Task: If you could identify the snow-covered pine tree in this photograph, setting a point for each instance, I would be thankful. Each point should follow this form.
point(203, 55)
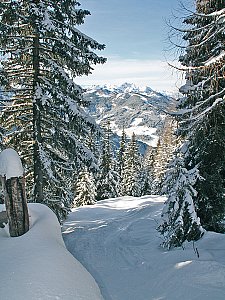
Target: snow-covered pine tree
point(45, 121)
point(121, 152)
point(108, 177)
point(179, 219)
point(203, 107)
point(158, 170)
point(85, 189)
point(148, 184)
point(130, 184)
point(164, 151)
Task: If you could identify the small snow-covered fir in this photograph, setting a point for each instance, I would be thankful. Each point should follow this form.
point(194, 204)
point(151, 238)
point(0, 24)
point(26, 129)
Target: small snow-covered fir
point(85, 189)
point(179, 219)
point(108, 176)
point(131, 184)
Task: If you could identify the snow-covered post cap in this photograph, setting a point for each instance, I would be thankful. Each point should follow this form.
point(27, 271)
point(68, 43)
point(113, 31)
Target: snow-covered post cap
point(10, 164)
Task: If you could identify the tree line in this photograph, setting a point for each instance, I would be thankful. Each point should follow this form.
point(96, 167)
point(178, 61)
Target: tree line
point(124, 171)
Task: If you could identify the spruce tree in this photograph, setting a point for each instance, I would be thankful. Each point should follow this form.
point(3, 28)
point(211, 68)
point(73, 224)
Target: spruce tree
point(130, 184)
point(85, 189)
point(201, 126)
point(179, 219)
point(108, 177)
point(121, 153)
point(148, 184)
point(45, 121)
point(164, 152)
point(203, 107)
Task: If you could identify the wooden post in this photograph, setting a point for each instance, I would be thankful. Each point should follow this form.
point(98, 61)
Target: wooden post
point(13, 183)
point(16, 205)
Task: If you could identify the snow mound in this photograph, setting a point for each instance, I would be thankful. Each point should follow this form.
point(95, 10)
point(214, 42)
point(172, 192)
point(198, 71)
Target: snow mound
point(10, 164)
point(37, 266)
point(117, 241)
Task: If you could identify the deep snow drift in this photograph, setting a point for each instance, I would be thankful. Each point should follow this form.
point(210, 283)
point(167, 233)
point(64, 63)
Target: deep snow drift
point(37, 266)
point(117, 242)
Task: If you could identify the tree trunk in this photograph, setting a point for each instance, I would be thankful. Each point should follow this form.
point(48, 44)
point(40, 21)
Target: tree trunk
point(38, 174)
point(16, 205)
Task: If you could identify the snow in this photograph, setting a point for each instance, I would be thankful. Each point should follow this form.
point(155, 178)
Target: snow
point(141, 130)
point(37, 266)
point(187, 87)
point(183, 264)
point(216, 13)
point(117, 241)
point(113, 126)
point(123, 88)
point(214, 59)
point(10, 164)
point(136, 122)
point(137, 129)
point(132, 107)
point(127, 108)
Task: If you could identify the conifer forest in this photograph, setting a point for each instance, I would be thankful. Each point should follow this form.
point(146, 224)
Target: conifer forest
point(80, 146)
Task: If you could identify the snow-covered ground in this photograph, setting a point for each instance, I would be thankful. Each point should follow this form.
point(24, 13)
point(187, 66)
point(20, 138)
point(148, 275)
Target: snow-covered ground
point(37, 266)
point(117, 242)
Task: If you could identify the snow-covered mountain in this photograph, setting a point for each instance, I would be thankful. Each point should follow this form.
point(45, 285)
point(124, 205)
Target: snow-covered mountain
point(139, 109)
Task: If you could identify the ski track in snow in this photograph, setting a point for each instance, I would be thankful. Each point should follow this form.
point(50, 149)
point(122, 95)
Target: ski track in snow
point(116, 240)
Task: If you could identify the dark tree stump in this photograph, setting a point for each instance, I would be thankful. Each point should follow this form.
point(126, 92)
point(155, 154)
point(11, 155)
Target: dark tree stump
point(16, 205)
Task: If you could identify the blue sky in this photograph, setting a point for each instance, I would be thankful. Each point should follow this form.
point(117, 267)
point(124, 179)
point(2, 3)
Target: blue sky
point(135, 35)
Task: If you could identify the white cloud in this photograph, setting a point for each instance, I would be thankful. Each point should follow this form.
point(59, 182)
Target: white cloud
point(153, 73)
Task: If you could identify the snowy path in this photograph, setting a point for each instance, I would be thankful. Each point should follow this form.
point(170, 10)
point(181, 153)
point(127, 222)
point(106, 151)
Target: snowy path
point(117, 242)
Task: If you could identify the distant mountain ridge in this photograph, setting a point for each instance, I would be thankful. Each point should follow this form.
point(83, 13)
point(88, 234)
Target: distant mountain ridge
point(139, 109)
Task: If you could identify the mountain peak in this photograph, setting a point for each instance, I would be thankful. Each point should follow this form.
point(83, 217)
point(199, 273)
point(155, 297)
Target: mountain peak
point(122, 88)
point(127, 88)
point(136, 109)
